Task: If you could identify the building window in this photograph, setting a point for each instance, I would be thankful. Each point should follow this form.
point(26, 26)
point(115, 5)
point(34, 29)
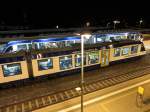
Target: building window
point(125, 51)
point(117, 52)
point(45, 64)
point(11, 69)
point(134, 49)
point(65, 62)
point(93, 57)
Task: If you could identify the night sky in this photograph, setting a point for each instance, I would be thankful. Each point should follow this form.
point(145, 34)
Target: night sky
point(49, 15)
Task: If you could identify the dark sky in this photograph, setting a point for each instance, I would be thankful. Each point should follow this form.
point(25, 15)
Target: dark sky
point(50, 15)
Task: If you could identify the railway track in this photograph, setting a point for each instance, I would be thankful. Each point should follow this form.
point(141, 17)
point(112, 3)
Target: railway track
point(50, 99)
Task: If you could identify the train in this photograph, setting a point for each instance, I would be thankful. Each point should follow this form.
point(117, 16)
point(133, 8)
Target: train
point(23, 60)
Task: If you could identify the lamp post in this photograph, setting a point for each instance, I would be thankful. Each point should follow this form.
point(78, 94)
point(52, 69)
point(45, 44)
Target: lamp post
point(87, 24)
point(57, 26)
point(107, 24)
point(141, 21)
point(82, 66)
point(115, 22)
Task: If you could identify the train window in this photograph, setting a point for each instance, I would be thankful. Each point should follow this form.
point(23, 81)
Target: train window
point(45, 64)
point(117, 52)
point(65, 62)
point(118, 38)
point(51, 45)
point(30, 46)
point(78, 60)
point(61, 44)
point(9, 49)
point(93, 57)
point(99, 40)
point(11, 69)
point(112, 39)
point(22, 47)
point(125, 51)
point(107, 39)
point(42, 46)
point(124, 37)
point(68, 43)
point(2, 47)
point(134, 49)
point(36, 45)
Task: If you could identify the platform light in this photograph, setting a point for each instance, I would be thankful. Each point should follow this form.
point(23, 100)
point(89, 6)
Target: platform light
point(87, 24)
point(78, 89)
point(115, 22)
point(83, 36)
point(141, 21)
point(86, 36)
point(57, 26)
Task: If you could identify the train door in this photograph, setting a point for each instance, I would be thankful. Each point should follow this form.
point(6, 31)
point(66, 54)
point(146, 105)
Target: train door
point(104, 57)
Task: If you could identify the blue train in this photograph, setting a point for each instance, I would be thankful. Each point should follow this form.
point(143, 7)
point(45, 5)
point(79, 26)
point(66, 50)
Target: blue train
point(57, 42)
point(100, 51)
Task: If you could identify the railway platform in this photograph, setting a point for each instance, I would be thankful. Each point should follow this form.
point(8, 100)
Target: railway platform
point(122, 97)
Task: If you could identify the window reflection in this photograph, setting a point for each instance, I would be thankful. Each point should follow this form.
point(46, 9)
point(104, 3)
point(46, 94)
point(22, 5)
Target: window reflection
point(42, 45)
point(11, 69)
point(65, 62)
point(78, 60)
point(2, 47)
point(22, 47)
point(117, 52)
point(45, 64)
point(93, 57)
point(125, 51)
point(134, 49)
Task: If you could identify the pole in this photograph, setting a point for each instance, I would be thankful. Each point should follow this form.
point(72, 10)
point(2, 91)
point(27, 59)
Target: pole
point(114, 25)
point(82, 70)
point(107, 25)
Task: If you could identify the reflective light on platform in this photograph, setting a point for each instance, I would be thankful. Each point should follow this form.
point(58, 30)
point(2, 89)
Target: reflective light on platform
point(78, 89)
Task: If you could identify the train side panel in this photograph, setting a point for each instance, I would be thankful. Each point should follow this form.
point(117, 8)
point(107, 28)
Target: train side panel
point(128, 55)
point(58, 61)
